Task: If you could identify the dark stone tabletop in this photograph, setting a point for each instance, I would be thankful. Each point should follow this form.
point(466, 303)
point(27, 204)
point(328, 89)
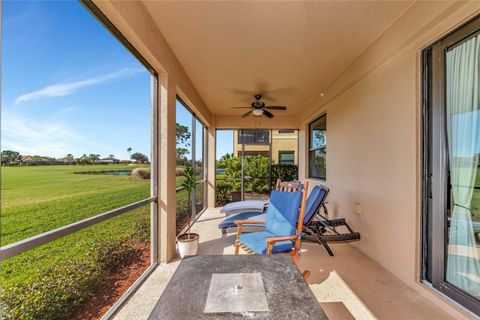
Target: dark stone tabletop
point(288, 295)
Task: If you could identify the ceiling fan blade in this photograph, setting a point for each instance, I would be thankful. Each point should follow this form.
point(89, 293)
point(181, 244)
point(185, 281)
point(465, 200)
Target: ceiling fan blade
point(241, 107)
point(276, 107)
point(246, 114)
point(267, 113)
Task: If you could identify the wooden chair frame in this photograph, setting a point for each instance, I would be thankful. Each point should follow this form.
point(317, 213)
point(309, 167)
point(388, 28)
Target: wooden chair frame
point(288, 186)
point(295, 252)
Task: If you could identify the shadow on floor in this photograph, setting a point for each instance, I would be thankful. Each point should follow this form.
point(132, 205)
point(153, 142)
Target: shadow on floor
point(217, 246)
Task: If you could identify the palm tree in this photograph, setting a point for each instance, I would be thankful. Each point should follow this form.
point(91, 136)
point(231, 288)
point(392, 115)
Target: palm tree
point(129, 150)
point(94, 157)
point(189, 184)
point(69, 158)
point(111, 156)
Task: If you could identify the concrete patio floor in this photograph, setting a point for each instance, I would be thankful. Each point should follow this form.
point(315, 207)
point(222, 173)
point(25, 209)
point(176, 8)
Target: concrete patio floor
point(348, 286)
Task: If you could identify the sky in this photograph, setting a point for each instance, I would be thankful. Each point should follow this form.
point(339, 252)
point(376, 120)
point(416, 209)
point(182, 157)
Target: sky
point(224, 142)
point(68, 85)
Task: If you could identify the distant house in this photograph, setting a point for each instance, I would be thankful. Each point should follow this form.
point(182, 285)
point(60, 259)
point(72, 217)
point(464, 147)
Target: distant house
point(25, 158)
point(108, 160)
point(65, 160)
point(37, 160)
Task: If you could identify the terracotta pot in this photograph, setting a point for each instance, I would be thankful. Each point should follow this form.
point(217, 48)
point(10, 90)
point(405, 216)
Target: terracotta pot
point(188, 244)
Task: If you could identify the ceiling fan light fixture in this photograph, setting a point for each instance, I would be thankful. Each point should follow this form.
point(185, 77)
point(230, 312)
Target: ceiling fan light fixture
point(257, 112)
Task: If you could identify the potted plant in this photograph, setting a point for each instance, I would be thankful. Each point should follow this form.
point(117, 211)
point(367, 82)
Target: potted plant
point(188, 242)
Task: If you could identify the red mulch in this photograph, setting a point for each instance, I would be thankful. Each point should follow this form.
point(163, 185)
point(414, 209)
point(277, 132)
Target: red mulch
point(182, 224)
point(114, 286)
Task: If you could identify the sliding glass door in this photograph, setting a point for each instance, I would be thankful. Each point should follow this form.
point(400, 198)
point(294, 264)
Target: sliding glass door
point(452, 175)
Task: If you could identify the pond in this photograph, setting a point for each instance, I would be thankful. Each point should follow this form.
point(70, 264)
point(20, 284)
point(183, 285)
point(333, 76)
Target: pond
point(221, 171)
point(111, 172)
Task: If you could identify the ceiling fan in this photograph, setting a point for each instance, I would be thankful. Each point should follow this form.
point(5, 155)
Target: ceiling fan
point(259, 108)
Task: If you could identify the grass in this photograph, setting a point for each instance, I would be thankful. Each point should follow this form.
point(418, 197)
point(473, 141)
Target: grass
point(40, 198)
point(34, 262)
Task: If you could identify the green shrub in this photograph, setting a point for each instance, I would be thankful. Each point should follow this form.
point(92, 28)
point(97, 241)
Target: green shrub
point(179, 171)
point(141, 173)
point(142, 225)
point(223, 192)
point(183, 209)
point(56, 293)
point(257, 174)
point(284, 172)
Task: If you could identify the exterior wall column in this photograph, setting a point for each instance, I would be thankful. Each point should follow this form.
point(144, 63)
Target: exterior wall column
point(211, 167)
point(303, 152)
point(167, 166)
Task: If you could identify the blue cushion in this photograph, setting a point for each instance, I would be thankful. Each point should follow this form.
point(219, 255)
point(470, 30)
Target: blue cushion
point(247, 205)
point(256, 241)
point(229, 222)
point(314, 200)
point(282, 213)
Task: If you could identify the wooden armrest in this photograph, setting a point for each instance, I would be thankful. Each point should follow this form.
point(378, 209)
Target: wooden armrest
point(238, 222)
point(271, 241)
point(277, 239)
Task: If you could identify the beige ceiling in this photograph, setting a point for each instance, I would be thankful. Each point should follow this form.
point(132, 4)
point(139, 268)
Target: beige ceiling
point(289, 51)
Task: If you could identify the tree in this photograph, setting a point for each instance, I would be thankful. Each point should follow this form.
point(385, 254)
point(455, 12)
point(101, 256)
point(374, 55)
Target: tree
point(9, 156)
point(84, 159)
point(189, 184)
point(183, 140)
point(111, 156)
point(129, 150)
point(139, 157)
point(182, 156)
point(221, 163)
point(94, 157)
point(69, 158)
point(183, 135)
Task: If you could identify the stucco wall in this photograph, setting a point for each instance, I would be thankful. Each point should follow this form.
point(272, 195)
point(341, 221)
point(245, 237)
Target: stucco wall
point(280, 142)
point(373, 137)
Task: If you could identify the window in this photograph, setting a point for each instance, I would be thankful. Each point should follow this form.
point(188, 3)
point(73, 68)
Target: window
point(254, 136)
point(451, 172)
point(286, 131)
point(318, 148)
point(286, 157)
point(77, 121)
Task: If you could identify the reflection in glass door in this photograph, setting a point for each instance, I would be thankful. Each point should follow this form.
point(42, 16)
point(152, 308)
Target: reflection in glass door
point(463, 140)
point(451, 185)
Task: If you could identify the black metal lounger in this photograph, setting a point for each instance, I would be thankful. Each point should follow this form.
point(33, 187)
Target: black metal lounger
point(316, 229)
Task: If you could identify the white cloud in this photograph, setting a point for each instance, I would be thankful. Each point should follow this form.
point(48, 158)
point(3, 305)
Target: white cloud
point(41, 137)
point(67, 88)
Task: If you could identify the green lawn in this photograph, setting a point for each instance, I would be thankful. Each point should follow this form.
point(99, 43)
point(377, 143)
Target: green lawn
point(179, 181)
point(40, 198)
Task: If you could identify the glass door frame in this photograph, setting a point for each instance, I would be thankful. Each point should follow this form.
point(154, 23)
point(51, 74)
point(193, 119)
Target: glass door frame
point(435, 166)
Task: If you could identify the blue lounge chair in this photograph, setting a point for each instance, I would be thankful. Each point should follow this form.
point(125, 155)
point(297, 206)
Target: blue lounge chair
point(257, 206)
point(283, 226)
point(315, 201)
